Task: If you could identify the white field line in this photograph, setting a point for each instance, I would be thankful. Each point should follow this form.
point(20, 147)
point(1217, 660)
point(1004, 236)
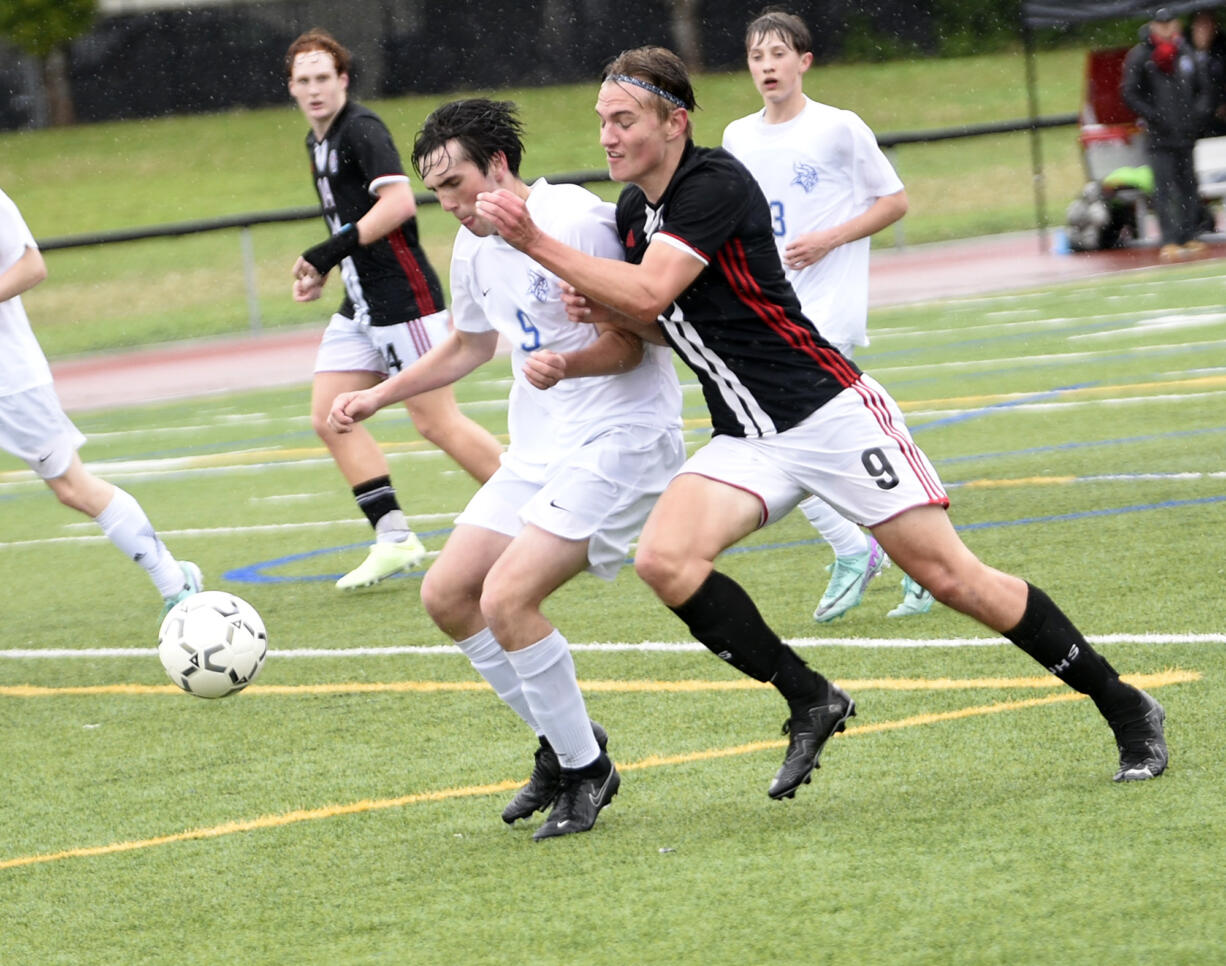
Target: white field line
point(1120, 290)
point(614, 646)
point(416, 520)
point(974, 365)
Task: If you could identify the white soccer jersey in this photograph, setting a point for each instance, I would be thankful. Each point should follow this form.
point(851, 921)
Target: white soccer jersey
point(818, 170)
point(22, 363)
point(494, 286)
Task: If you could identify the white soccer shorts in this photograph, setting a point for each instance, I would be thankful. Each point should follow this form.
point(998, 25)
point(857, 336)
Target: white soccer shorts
point(34, 428)
point(600, 492)
point(855, 453)
point(352, 346)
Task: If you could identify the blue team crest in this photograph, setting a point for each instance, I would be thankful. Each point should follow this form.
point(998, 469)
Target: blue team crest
point(538, 286)
point(806, 176)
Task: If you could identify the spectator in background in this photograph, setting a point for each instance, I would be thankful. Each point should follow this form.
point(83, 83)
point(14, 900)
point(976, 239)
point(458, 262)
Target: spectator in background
point(34, 427)
point(1209, 46)
point(1164, 85)
point(392, 311)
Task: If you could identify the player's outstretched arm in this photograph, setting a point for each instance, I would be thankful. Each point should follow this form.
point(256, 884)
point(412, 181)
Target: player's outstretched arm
point(452, 359)
point(23, 274)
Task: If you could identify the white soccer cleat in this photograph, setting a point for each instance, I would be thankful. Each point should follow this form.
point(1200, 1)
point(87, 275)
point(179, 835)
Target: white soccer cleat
point(383, 561)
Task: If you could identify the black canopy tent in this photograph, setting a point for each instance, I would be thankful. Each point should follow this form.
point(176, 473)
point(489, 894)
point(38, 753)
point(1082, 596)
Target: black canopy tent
point(1037, 14)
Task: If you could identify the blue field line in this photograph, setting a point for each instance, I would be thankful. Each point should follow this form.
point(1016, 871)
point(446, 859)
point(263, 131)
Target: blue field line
point(1009, 404)
point(256, 573)
point(1085, 514)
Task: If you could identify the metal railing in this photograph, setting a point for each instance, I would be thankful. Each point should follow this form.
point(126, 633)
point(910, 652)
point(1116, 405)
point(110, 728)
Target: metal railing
point(245, 222)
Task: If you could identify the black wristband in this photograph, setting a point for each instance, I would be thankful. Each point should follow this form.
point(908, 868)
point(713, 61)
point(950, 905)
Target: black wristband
point(324, 256)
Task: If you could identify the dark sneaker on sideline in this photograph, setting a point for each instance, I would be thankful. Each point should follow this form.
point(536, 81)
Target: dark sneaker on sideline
point(580, 799)
point(808, 736)
point(1142, 743)
point(542, 787)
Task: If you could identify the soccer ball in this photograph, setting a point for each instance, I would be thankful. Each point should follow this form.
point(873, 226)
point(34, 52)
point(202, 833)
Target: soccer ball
point(212, 644)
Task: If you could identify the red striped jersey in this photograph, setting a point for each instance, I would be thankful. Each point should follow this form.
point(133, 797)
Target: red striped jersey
point(390, 281)
point(762, 365)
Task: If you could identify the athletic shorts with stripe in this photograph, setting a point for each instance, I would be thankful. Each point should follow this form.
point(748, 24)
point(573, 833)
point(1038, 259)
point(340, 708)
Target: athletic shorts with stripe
point(352, 346)
point(855, 453)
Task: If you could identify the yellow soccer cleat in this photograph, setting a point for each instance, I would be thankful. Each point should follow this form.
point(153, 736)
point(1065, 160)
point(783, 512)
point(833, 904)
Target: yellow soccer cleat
point(383, 561)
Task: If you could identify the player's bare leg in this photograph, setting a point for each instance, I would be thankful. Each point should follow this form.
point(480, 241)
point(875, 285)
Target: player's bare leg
point(694, 520)
point(439, 420)
point(924, 543)
point(451, 589)
point(363, 465)
point(356, 453)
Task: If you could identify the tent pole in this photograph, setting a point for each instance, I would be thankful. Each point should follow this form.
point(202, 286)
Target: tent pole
point(1036, 148)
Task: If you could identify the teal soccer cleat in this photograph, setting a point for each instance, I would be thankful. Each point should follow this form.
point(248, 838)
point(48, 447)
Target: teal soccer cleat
point(915, 600)
point(848, 579)
point(193, 583)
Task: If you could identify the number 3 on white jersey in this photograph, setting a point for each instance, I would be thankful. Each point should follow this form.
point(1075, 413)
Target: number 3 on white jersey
point(778, 223)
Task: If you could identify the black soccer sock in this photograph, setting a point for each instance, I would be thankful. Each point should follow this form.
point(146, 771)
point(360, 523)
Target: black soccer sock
point(724, 618)
point(376, 498)
point(1047, 635)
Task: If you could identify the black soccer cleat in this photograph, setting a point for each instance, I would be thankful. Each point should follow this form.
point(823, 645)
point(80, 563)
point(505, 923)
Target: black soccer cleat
point(581, 796)
point(542, 787)
point(807, 737)
point(1142, 743)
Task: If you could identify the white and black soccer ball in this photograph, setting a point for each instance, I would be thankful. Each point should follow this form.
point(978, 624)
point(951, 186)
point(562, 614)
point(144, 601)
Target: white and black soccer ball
point(212, 644)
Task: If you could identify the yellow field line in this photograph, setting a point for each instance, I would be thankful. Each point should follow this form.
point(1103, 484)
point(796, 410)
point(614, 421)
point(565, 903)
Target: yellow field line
point(1196, 382)
point(475, 791)
point(618, 687)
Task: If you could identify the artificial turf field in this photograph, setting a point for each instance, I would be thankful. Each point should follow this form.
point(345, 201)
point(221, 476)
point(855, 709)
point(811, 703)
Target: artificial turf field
point(344, 808)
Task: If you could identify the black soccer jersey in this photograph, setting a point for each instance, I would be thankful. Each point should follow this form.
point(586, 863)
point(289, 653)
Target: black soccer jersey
point(390, 281)
point(762, 365)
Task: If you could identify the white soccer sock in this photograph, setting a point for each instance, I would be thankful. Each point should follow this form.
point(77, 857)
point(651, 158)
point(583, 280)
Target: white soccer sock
point(490, 661)
point(548, 675)
point(847, 539)
point(125, 525)
point(393, 527)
